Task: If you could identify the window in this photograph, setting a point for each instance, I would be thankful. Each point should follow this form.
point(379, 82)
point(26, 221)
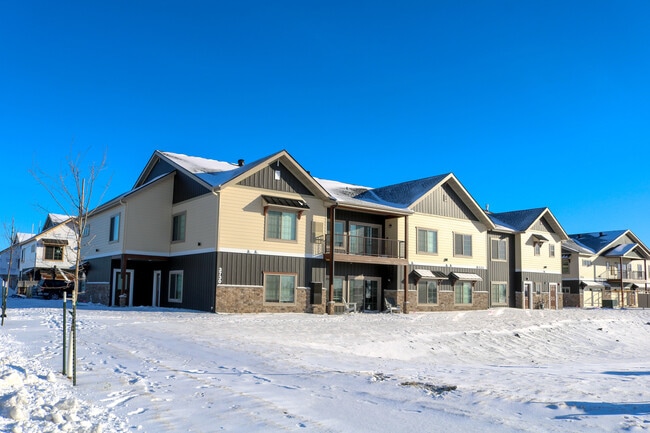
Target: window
point(114, 233)
point(499, 293)
point(427, 292)
point(586, 262)
point(565, 266)
point(53, 252)
point(339, 236)
point(551, 250)
point(338, 289)
point(427, 241)
point(462, 245)
point(538, 248)
point(175, 286)
point(86, 230)
point(279, 288)
point(538, 288)
point(499, 247)
point(178, 228)
point(463, 292)
point(281, 225)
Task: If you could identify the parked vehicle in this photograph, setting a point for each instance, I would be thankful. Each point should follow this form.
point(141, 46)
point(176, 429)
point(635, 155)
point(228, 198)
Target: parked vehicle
point(53, 289)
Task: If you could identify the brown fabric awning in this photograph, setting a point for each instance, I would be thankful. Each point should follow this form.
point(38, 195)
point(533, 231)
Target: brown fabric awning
point(55, 242)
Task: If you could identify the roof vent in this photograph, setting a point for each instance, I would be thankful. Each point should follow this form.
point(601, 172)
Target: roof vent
point(240, 162)
point(601, 234)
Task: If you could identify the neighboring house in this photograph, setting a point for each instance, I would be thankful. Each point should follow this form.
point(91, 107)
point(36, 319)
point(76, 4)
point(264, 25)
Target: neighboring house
point(12, 252)
point(604, 268)
point(213, 236)
point(535, 238)
point(440, 234)
point(51, 253)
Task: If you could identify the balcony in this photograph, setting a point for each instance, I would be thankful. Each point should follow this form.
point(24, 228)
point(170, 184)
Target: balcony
point(363, 249)
point(616, 275)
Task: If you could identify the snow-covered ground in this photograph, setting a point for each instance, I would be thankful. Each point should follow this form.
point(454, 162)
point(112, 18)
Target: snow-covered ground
point(158, 370)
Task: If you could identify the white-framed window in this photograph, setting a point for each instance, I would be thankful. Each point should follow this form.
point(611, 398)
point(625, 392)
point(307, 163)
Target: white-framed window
point(427, 292)
point(281, 225)
point(499, 293)
point(178, 227)
point(280, 288)
point(114, 229)
point(551, 250)
point(427, 241)
point(462, 245)
point(175, 286)
point(499, 249)
point(538, 248)
point(586, 262)
point(53, 252)
point(538, 288)
point(463, 292)
point(566, 289)
point(546, 287)
point(86, 230)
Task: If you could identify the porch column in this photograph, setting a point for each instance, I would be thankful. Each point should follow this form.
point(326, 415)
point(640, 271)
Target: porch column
point(330, 291)
point(405, 304)
point(620, 269)
point(123, 273)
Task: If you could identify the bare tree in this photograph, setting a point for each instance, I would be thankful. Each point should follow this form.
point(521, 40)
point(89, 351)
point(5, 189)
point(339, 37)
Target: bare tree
point(72, 191)
point(5, 287)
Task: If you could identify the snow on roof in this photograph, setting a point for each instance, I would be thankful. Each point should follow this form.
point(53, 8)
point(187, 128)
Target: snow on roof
point(519, 220)
point(596, 241)
point(22, 237)
point(213, 172)
point(58, 218)
point(573, 245)
point(347, 193)
point(620, 250)
point(402, 194)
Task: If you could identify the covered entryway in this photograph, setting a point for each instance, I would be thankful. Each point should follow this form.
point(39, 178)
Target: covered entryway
point(117, 288)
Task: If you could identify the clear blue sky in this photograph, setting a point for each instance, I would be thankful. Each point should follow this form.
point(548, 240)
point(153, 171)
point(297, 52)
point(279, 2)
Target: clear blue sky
point(529, 103)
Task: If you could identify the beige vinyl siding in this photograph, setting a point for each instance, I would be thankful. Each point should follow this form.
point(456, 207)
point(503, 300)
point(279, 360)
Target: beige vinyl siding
point(242, 222)
point(147, 222)
point(446, 228)
point(97, 238)
point(528, 261)
point(65, 231)
point(200, 224)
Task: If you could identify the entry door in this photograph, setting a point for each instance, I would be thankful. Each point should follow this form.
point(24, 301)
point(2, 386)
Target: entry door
point(155, 297)
point(117, 286)
point(528, 295)
point(365, 292)
point(552, 288)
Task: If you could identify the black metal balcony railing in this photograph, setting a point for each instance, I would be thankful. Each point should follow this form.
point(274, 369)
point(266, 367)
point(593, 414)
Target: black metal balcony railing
point(366, 246)
point(617, 274)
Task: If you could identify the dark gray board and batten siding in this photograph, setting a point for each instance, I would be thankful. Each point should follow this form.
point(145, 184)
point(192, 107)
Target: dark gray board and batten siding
point(445, 202)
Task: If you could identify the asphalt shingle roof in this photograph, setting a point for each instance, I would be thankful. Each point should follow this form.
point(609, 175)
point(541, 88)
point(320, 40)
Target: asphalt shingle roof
point(596, 241)
point(519, 220)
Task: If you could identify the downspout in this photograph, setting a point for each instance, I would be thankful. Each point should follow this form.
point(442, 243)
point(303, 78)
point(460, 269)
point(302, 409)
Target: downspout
point(405, 308)
point(216, 247)
point(330, 297)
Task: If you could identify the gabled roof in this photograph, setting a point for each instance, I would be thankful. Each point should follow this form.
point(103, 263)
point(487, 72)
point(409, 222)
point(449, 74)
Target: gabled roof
point(54, 220)
point(523, 220)
point(408, 194)
point(215, 174)
point(609, 242)
point(347, 194)
point(404, 194)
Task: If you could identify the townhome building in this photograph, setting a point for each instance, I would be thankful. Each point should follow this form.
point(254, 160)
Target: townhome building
point(534, 237)
point(51, 253)
point(266, 236)
point(207, 235)
point(10, 259)
point(607, 268)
